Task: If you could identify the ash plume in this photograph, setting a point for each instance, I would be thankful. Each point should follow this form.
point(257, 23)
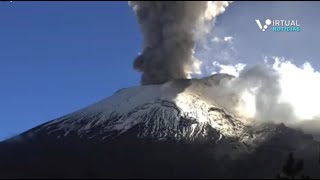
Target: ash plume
point(257, 91)
point(278, 91)
point(170, 31)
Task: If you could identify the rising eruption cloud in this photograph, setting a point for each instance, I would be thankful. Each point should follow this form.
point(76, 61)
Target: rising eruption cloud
point(279, 92)
point(170, 30)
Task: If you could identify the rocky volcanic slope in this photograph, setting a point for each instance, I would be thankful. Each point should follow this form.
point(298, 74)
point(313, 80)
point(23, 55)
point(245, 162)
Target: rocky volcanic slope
point(172, 130)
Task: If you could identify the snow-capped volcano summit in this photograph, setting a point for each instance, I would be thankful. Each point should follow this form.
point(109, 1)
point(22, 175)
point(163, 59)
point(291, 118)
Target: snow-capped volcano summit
point(176, 129)
point(180, 109)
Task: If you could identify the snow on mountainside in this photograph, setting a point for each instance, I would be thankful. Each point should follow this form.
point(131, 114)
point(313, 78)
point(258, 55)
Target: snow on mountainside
point(180, 110)
point(177, 109)
point(182, 120)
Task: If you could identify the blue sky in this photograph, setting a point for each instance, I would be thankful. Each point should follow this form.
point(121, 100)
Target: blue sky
point(58, 57)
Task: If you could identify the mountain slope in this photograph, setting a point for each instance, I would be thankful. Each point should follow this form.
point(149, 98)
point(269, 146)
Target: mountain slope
point(172, 130)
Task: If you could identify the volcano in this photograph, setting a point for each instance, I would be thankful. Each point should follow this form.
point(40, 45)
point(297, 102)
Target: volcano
point(171, 130)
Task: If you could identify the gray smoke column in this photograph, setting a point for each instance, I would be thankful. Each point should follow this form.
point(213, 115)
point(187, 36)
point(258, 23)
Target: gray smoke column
point(170, 30)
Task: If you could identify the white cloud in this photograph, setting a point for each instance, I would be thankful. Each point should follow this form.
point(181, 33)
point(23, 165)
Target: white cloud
point(228, 39)
point(229, 69)
point(299, 87)
point(215, 39)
